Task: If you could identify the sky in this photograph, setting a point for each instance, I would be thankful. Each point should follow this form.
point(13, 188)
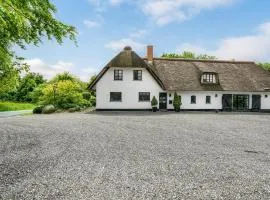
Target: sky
point(227, 29)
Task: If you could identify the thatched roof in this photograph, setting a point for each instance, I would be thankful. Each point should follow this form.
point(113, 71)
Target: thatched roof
point(126, 59)
point(185, 75)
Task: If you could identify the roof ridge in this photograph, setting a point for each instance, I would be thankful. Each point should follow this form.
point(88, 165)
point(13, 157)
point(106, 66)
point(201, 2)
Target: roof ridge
point(202, 60)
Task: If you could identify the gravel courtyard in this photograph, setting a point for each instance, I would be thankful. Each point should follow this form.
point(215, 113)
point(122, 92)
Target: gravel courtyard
point(135, 156)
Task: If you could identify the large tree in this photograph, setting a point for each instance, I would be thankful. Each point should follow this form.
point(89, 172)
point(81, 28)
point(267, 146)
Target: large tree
point(24, 22)
point(188, 55)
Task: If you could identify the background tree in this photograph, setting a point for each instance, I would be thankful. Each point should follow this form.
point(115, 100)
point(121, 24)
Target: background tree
point(27, 85)
point(188, 55)
point(265, 66)
point(26, 22)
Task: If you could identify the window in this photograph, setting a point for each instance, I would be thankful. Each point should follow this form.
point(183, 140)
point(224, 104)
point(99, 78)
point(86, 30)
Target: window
point(208, 78)
point(115, 96)
point(170, 101)
point(208, 99)
point(193, 99)
point(144, 96)
point(118, 75)
point(137, 75)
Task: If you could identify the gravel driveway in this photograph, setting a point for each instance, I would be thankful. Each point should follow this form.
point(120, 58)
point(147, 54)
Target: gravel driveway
point(135, 156)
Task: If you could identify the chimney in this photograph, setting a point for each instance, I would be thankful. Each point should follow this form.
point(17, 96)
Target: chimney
point(150, 53)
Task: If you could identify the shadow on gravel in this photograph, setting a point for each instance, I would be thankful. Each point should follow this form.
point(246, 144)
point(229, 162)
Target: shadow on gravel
point(162, 113)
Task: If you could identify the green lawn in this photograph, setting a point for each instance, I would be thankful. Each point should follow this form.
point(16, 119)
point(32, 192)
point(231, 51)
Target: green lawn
point(12, 106)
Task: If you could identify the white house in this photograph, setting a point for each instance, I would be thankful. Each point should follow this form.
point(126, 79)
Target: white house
point(129, 82)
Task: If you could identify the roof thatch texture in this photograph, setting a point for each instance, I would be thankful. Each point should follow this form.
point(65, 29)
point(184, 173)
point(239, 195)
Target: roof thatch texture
point(185, 75)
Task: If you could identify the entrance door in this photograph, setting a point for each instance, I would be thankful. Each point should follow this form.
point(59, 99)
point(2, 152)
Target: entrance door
point(256, 102)
point(162, 100)
point(227, 102)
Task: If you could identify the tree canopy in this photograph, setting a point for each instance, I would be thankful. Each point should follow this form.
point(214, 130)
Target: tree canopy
point(26, 22)
point(265, 66)
point(188, 55)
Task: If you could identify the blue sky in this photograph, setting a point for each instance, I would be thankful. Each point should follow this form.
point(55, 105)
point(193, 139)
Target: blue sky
point(228, 29)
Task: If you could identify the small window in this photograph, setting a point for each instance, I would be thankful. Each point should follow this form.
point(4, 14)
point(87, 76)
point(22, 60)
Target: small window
point(137, 75)
point(118, 75)
point(208, 99)
point(193, 99)
point(115, 96)
point(144, 96)
point(170, 101)
point(208, 78)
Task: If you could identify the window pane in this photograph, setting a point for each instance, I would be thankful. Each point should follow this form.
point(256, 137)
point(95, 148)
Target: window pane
point(208, 99)
point(193, 99)
point(115, 96)
point(118, 74)
point(144, 96)
point(137, 75)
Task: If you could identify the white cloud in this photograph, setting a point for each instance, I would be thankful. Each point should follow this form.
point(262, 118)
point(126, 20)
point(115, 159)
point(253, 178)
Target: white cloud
point(120, 44)
point(91, 24)
point(166, 11)
point(250, 47)
point(139, 33)
point(115, 2)
point(50, 70)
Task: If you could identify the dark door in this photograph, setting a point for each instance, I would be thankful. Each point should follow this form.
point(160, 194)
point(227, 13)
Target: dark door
point(227, 102)
point(256, 102)
point(162, 100)
point(240, 102)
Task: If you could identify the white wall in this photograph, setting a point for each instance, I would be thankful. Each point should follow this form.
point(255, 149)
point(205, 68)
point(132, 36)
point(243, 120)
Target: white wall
point(130, 90)
point(216, 102)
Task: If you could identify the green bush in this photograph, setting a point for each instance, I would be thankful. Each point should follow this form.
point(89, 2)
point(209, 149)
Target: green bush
point(48, 109)
point(67, 106)
point(75, 109)
point(38, 110)
point(86, 95)
point(154, 102)
point(177, 102)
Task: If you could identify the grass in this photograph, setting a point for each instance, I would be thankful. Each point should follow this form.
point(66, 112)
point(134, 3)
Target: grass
point(13, 106)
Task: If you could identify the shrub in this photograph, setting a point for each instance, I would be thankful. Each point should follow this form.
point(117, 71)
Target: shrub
point(67, 106)
point(75, 109)
point(86, 95)
point(176, 102)
point(62, 94)
point(154, 102)
point(48, 109)
point(38, 110)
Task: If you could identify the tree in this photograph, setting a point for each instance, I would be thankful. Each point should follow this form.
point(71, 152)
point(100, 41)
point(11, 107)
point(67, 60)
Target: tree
point(64, 94)
point(188, 55)
point(265, 66)
point(25, 22)
point(176, 102)
point(27, 85)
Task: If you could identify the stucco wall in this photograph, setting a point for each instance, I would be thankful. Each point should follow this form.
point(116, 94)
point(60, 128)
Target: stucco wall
point(130, 90)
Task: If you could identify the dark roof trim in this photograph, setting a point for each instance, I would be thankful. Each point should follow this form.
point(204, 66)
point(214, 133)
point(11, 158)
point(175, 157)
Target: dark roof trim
point(99, 76)
point(200, 60)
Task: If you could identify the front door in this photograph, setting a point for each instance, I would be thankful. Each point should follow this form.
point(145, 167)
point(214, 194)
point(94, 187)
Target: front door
point(162, 100)
point(256, 102)
point(227, 102)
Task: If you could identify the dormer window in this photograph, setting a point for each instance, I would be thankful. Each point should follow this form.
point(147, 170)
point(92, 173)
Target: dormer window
point(209, 78)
